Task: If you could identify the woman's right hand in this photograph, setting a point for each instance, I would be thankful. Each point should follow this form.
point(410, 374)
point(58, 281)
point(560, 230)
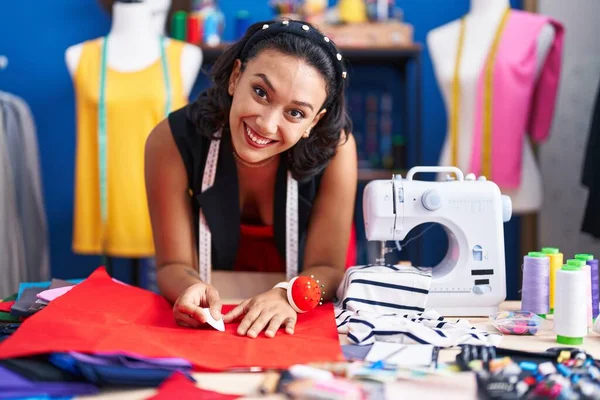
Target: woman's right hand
point(188, 307)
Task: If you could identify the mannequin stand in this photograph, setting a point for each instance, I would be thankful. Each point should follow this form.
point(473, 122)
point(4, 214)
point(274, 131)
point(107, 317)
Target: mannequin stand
point(134, 269)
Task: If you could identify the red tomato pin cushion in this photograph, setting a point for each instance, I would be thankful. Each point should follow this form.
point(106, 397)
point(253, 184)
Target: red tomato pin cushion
point(305, 293)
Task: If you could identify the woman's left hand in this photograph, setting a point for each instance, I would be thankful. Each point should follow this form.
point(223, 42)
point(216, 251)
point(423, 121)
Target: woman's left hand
point(267, 310)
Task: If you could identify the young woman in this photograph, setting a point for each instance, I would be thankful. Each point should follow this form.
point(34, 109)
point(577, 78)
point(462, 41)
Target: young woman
point(258, 174)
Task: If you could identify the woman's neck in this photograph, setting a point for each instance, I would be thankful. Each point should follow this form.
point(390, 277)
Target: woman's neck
point(132, 22)
point(488, 6)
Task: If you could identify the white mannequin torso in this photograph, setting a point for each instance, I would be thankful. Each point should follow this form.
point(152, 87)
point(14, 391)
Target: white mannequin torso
point(481, 25)
point(134, 43)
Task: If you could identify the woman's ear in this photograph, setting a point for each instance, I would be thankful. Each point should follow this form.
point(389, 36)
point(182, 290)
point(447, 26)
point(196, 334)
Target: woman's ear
point(316, 120)
point(234, 77)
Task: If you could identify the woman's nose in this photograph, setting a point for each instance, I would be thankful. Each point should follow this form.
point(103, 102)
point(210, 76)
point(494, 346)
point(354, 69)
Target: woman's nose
point(268, 123)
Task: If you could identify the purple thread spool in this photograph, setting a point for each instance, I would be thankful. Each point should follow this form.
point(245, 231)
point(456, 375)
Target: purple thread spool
point(595, 288)
point(535, 293)
point(593, 263)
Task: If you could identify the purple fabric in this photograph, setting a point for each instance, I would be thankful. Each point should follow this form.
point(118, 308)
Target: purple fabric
point(131, 361)
point(14, 385)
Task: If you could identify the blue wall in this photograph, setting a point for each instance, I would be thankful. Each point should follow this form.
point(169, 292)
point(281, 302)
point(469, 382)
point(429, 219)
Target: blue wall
point(37, 72)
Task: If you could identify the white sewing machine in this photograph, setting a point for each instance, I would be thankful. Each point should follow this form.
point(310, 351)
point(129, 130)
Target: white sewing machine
point(471, 279)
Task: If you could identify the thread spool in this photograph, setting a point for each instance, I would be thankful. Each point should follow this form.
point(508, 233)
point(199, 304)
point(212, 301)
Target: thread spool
point(593, 289)
point(570, 313)
point(242, 23)
point(535, 293)
point(556, 262)
point(178, 25)
point(194, 29)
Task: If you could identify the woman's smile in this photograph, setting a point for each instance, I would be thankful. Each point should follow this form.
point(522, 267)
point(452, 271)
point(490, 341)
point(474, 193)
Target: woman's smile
point(256, 140)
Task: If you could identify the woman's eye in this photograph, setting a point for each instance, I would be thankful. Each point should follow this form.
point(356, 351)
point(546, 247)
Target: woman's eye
point(260, 92)
point(297, 114)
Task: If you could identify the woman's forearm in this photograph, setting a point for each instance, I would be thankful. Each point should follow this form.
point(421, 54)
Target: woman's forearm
point(330, 277)
point(174, 279)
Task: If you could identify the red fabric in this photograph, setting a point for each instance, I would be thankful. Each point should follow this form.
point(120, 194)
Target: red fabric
point(101, 315)
point(6, 305)
point(179, 387)
point(257, 251)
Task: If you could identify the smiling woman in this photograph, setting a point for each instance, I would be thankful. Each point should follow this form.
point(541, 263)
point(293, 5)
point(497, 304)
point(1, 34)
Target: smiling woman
point(258, 174)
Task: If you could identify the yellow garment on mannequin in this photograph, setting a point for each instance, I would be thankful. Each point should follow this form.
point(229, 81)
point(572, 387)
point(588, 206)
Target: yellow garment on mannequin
point(135, 104)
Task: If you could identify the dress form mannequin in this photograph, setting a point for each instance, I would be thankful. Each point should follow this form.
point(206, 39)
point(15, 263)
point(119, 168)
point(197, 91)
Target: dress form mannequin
point(481, 23)
point(160, 11)
point(134, 43)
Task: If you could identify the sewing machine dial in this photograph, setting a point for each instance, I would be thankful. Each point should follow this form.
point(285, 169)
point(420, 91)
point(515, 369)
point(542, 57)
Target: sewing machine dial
point(431, 200)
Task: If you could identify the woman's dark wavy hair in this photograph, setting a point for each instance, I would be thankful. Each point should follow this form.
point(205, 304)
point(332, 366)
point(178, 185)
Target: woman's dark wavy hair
point(310, 156)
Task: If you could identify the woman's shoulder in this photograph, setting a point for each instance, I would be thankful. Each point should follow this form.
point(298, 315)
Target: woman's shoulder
point(177, 137)
point(180, 125)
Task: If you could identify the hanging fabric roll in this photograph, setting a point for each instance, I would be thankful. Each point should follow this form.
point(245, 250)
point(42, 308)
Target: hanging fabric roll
point(24, 253)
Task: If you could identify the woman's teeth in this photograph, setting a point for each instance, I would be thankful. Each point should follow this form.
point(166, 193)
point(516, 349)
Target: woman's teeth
point(255, 138)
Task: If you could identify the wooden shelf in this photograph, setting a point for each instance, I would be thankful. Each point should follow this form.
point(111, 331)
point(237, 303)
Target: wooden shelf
point(353, 54)
point(368, 174)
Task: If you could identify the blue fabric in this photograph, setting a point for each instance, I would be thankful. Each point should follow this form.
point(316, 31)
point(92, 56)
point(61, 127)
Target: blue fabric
point(111, 370)
point(13, 385)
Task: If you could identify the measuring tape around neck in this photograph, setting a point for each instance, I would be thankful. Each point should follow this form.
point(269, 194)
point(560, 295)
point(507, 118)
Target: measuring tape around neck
point(291, 220)
point(486, 169)
point(102, 123)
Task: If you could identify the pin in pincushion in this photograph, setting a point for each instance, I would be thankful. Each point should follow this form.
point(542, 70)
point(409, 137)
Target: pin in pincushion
point(305, 293)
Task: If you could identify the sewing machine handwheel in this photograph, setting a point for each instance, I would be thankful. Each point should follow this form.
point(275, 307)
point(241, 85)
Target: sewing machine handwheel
point(454, 170)
point(431, 200)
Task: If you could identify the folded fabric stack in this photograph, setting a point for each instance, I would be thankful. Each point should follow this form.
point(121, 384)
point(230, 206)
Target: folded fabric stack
point(34, 296)
point(73, 373)
point(388, 303)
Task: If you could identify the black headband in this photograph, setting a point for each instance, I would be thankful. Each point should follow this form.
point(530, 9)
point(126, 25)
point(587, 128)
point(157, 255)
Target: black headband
point(302, 30)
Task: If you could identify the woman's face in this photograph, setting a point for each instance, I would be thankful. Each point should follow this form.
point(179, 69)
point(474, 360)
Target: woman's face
point(276, 101)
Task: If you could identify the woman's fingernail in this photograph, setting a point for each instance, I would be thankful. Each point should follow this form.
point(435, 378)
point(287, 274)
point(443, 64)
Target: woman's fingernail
point(251, 334)
point(269, 333)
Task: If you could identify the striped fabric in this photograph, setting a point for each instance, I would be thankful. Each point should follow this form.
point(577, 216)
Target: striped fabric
point(428, 327)
point(381, 289)
point(388, 303)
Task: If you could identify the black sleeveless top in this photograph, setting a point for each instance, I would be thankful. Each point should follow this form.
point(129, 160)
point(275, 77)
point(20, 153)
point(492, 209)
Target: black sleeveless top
point(220, 203)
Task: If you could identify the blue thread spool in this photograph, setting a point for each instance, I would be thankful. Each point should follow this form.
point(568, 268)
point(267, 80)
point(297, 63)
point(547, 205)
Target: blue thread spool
point(242, 22)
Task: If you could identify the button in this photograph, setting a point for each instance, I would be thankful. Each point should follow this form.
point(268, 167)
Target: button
point(470, 177)
point(481, 289)
point(482, 178)
point(477, 253)
point(431, 200)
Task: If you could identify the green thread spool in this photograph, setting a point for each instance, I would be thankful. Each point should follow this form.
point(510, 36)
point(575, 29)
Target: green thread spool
point(178, 25)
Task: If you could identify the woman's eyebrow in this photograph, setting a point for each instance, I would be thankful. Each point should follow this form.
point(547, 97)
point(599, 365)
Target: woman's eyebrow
point(270, 85)
point(267, 82)
point(302, 103)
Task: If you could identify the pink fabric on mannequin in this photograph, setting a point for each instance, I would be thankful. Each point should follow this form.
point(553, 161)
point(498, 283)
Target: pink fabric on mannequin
point(520, 104)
